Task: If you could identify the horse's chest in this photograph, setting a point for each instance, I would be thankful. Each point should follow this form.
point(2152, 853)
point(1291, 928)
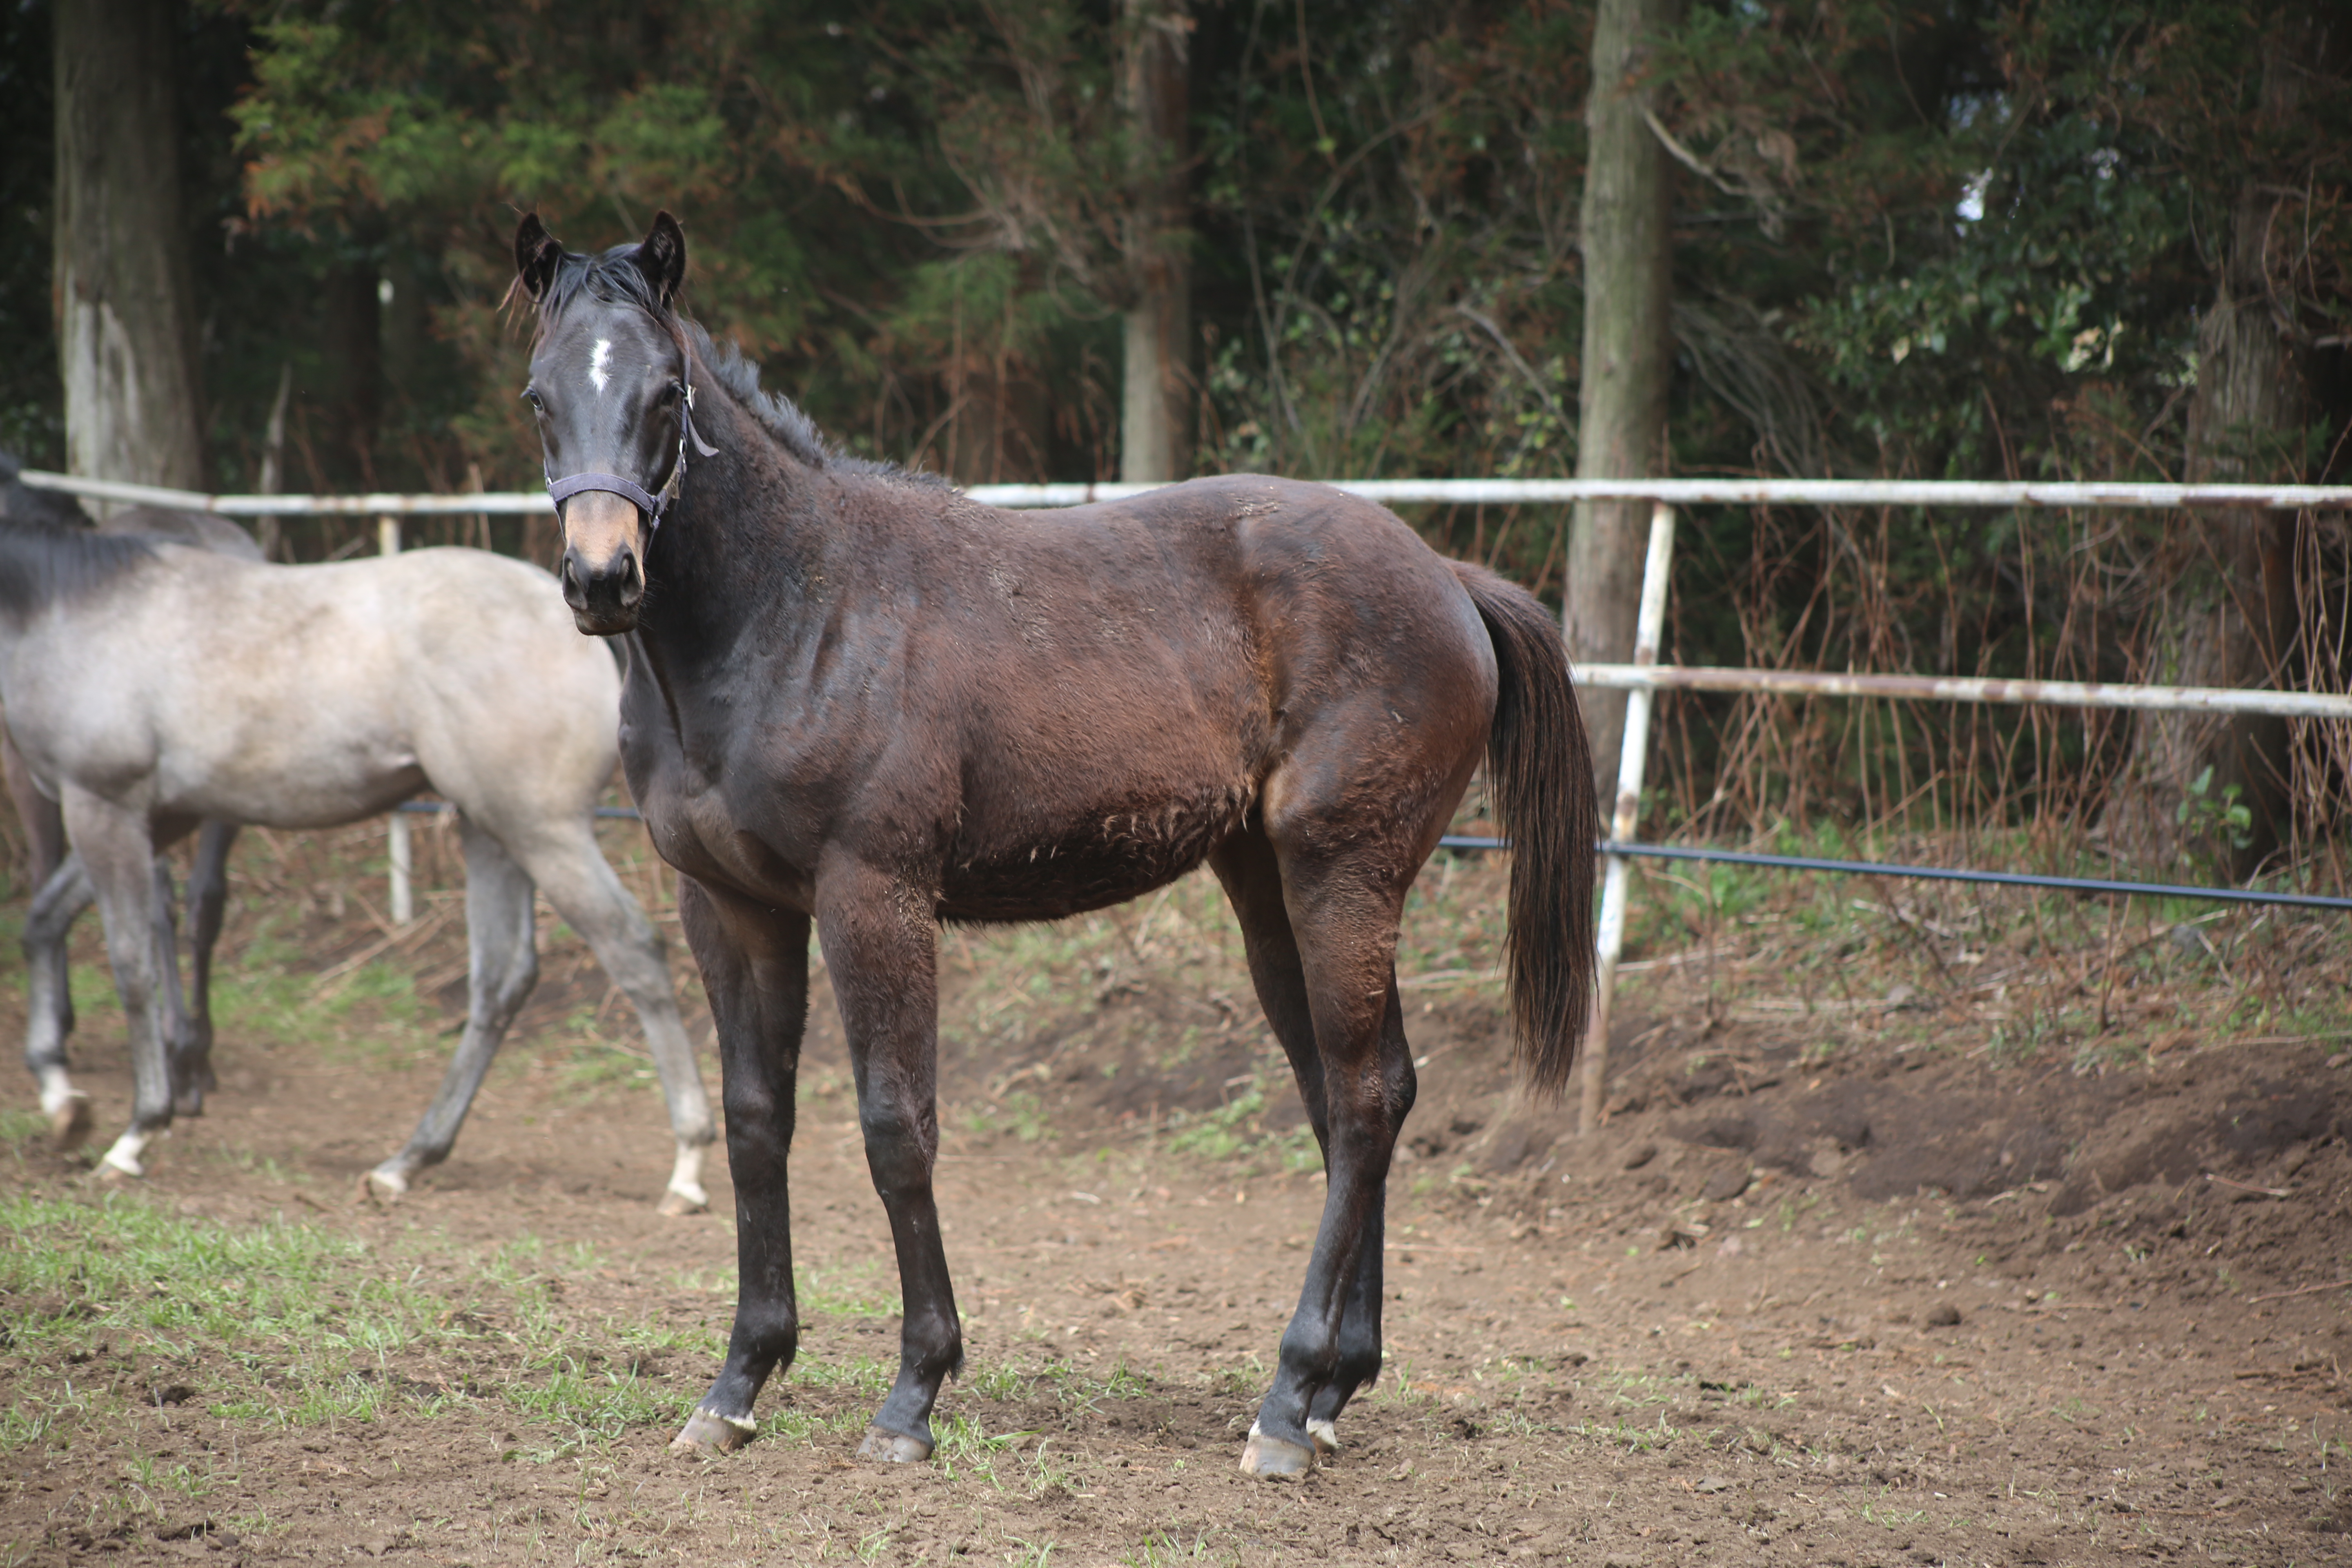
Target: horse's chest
point(695, 824)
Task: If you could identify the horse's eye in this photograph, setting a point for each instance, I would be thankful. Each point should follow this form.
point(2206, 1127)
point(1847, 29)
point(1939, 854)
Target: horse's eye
point(530, 395)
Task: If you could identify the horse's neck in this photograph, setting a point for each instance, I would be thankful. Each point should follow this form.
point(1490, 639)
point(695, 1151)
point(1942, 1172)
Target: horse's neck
point(42, 567)
point(741, 544)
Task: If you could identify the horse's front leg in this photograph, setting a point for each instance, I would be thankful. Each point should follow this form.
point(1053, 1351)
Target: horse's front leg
point(754, 962)
point(881, 942)
point(118, 849)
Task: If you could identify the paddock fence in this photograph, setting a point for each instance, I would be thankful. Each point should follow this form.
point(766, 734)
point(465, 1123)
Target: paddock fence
point(1641, 679)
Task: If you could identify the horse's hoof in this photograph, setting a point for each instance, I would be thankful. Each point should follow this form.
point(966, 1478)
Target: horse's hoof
point(1325, 1436)
point(1272, 1458)
point(110, 1174)
point(893, 1447)
point(70, 1121)
point(707, 1435)
point(675, 1205)
point(382, 1186)
point(120, 1161)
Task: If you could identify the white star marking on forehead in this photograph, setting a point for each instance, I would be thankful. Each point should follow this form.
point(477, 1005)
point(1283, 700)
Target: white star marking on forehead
point(598, 361)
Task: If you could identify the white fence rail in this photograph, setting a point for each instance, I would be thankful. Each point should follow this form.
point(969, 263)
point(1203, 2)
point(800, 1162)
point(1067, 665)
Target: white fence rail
point(1639, 680)
point(1394, 492)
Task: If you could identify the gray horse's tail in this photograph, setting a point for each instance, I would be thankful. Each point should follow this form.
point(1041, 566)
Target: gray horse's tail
point(1540, 767)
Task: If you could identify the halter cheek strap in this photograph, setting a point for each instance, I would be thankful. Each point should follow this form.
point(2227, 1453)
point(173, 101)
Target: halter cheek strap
point(644, 501)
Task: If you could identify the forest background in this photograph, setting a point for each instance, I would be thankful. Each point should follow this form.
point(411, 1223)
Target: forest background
point(1972, 239)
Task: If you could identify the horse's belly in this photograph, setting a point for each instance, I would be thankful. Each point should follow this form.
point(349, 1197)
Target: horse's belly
point(1108, 858)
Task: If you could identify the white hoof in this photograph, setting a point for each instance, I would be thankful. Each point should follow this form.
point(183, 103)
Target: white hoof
point(685, 1195)
point(66, 1107)
point(70, 1121)
point(385, 1182)
point(122, 1159)
point(1326, 1437)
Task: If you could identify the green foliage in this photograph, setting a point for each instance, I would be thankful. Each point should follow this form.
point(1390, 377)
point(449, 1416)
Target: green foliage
point(2212, 818)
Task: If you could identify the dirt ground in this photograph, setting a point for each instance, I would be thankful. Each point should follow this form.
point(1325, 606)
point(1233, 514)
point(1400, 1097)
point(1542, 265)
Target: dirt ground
point(1899, 1301)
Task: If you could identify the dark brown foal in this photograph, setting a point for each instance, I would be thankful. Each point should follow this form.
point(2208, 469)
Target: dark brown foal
point(859, 701)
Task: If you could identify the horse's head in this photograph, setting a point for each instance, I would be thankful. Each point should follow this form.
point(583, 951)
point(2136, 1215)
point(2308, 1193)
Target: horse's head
point(611, 386)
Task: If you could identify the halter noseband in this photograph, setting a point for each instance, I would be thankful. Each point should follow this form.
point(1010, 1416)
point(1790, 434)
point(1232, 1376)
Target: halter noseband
point(644, 501)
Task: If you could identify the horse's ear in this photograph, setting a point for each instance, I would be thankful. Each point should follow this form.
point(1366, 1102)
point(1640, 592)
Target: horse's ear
point(536, 254)
point(661, 257)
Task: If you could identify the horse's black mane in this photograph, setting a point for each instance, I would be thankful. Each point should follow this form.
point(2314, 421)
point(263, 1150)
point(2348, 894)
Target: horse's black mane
point(614, 278)
point(47, 549)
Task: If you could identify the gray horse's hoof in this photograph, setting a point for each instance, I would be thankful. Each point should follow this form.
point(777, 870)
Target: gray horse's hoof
point(707, 1434)
point(893, 1447)
point(675, 1205)
point(70, 1122)
point(382, 1186)
point(1273, 1459)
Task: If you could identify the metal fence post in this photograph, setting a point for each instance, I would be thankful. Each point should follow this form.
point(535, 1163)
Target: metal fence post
point(404, 908)
point(1648, 629)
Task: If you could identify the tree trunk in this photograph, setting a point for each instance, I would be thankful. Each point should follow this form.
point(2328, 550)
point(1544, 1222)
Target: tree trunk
point(123, 298)
point(2228, 614)
point(1156, 404)
point(1628, 354)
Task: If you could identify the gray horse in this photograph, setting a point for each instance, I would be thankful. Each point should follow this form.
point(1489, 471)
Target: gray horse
point(189, 1017)
point(151, 685)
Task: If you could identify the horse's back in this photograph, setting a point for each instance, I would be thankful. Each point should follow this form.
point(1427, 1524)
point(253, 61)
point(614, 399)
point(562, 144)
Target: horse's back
point(305, 694)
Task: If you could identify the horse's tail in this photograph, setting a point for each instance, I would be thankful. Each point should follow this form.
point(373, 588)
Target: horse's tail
point(1540, 768)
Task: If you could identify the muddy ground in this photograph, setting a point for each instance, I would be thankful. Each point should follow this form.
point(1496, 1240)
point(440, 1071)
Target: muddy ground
point(1840, 1288)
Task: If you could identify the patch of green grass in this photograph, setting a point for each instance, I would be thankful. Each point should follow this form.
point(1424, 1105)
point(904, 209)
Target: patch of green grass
point(850, 1290)
point(862, 1378)
point(289, 1324)
point(590, 1405)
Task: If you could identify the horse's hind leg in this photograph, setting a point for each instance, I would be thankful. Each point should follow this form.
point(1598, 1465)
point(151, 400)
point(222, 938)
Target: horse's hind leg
point(119, 849)
point(192, 1058)
point(50, 998)
point(502, 968)
point(578, 880)
point(755, 966)
point(1252, 880)
point(48, 1001)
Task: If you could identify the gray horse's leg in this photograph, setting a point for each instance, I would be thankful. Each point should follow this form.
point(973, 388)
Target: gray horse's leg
point(192, 1052)
point(48, 1000)
point(119, 849)
point(169, 997)
point(50, 995)
point(503, 967)
point(577, 880)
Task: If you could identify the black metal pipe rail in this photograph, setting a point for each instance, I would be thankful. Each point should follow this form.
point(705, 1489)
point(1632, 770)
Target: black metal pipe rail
point(2089, 885)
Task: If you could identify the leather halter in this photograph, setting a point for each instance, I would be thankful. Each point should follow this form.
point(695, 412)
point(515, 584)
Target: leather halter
point(644, 501)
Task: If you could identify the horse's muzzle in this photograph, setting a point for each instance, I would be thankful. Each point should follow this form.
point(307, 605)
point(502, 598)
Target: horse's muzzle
point(603, 596)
